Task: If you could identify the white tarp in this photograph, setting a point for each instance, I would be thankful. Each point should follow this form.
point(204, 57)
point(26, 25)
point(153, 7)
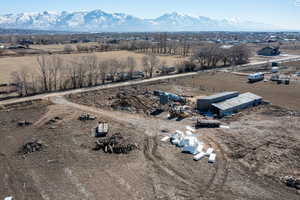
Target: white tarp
point(190, 144)
point(176, 135)
point(193, 149)
point(190, 149)
point(188, 141)
point(8, 198)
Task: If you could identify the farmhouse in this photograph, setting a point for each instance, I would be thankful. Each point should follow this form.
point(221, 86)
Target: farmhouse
point(269, 51)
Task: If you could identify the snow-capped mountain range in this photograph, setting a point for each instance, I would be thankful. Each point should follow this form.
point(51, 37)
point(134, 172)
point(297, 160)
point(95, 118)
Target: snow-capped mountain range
point(100, 21)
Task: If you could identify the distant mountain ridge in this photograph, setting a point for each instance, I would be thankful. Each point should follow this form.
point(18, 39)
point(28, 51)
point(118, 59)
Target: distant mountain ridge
point(100, 21)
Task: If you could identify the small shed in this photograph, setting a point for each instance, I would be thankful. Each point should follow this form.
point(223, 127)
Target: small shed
point(205, 103)
point(230, 106)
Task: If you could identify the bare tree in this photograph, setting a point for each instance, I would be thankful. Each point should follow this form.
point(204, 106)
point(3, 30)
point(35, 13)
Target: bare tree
point(55, 64)
point(43, 68)
point(131, 65)
point(114, 67)
point(21, 79)
point(240, 54)
point(91, 63)
point(103, 68)
point(146, 65)
point(154, 64)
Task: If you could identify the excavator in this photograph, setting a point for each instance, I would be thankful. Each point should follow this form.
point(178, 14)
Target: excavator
point(176, 111)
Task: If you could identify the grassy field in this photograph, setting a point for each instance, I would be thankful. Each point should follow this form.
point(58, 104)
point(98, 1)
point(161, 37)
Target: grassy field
point(10, 64)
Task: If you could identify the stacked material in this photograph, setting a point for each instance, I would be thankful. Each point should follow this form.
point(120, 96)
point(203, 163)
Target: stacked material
point(190, 144)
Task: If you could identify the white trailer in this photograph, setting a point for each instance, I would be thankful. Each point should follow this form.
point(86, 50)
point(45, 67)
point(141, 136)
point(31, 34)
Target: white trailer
point(256, 77)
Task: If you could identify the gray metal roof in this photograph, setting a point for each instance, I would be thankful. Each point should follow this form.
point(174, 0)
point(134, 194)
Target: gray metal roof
point(237, 101)
point(218, 95)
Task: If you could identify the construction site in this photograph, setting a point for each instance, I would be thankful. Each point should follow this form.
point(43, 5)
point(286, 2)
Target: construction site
point(206, 136)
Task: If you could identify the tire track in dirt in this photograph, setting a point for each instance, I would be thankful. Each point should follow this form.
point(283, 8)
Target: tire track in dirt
point(219, 178)
point(188, 187)
point(156, 163)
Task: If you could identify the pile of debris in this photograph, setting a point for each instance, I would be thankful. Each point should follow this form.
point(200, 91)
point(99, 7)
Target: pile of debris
point(116, 143)
point(32, 146)
point(189, 143)
point(291, 181)
point(24, 123)
point(135, 101)
point(86, 117)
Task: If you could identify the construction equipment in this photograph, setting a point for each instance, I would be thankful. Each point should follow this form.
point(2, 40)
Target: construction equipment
point(86, 117)
point(178, 111)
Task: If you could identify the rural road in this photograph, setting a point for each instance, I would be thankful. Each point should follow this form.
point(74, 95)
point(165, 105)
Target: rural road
point(288, 58)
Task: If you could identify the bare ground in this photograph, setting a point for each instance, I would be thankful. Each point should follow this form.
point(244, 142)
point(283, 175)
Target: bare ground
point(68, 169)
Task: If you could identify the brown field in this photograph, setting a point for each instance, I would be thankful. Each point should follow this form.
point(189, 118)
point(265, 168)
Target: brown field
point(10, 64)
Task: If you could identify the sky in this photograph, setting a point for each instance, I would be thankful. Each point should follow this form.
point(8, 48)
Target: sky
point(283, 13)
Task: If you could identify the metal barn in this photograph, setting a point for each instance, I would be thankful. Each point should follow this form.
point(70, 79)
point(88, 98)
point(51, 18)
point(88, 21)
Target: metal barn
point(205, 103)
point(230, 106)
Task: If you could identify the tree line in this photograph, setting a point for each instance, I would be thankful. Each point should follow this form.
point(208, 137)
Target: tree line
point(56, 74)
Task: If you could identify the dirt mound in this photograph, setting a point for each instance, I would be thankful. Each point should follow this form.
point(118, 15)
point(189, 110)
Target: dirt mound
point(115, 143)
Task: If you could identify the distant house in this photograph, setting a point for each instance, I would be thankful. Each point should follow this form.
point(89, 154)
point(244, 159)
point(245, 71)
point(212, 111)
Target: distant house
point(269, 51)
